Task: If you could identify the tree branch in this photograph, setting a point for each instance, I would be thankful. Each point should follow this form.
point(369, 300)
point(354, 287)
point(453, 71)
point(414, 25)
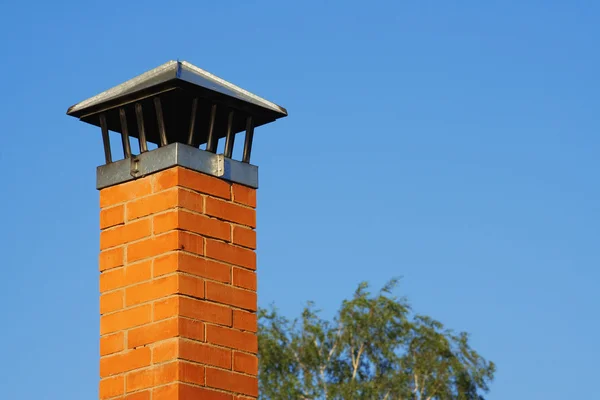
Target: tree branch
point(356, 364)
point(416, 380)
point(423, 387)
point(303, 369)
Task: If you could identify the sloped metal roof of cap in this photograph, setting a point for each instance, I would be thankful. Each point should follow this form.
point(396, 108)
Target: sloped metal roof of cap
point(173, 71)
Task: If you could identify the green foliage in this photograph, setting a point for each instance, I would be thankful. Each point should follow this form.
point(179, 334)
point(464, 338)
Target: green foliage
point(375, 348)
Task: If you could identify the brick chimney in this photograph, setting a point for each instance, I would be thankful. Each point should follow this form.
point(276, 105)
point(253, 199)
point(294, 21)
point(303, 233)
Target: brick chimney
point(177, 243)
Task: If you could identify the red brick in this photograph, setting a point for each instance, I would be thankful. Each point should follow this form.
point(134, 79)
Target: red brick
point(175, 240)
point(152, 290)
point(191, 308)
point(190, 286)
point(165, 351)
point(145, 395)
point(204, 311)
point(232, 338)
point(110, 302)
point(191, 329)
point(123, 362)
point(230, 254)
point(205, 354)
point(110, 344)
point(166, 264)
point(184, 220)
point(125, 319)
point(244, 237)
point(152, 204)
point(192, 373)
point(168, 221)
point(230, 212)
point(244, 278)
point(192, 180)
point(153, 246)
point(230, 295)
point(138, 272)
point(164, 374)
point(152, 333)
point(245, 321)
point(109, 259)
point(112, 216)
point(112, 279)
point(184, 392)
point(191, 200)
point(165, 329)
point(111, 387)
point(166, 308)
point(246, 363)
point(231, 381)
point(140, 379)
point(192, 265)
point(163, 287)
point(166, 179)
point(125, 192)
point(191, 243)
point(169, 392)
point(204, 183)
point(244, 195)
point(125, 233)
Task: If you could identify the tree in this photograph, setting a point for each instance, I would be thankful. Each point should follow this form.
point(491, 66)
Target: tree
point(375, 348)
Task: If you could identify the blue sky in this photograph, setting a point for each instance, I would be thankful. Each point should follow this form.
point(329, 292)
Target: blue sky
point(453, 145)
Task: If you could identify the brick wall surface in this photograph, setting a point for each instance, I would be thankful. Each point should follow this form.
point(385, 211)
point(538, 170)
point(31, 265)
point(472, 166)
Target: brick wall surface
point(178, 289)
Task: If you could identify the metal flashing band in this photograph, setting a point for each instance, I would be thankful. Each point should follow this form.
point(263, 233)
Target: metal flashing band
point(176, 154)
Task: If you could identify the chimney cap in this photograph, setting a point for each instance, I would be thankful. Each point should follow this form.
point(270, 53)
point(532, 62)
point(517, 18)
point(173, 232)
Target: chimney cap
point(177, 102)
point(173, 73)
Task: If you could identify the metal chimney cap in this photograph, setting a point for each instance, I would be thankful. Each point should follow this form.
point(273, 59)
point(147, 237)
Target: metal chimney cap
point(177, 103)
point(172, 72)
point(182, 89)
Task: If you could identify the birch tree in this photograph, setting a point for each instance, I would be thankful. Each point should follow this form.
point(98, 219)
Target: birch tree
point(374, 348)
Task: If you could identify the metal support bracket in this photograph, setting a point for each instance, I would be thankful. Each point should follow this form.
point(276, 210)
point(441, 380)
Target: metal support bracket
point(134, 167)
